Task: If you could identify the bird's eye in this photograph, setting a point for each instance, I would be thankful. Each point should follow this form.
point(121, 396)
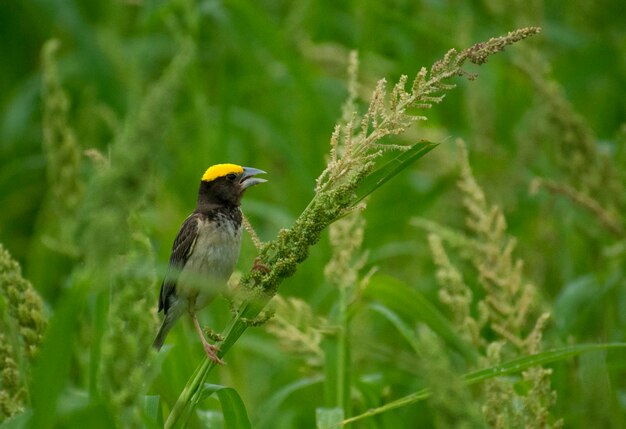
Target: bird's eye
point(231, 176)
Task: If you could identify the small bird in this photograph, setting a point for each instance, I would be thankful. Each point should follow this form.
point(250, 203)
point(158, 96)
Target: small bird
point(206, 249)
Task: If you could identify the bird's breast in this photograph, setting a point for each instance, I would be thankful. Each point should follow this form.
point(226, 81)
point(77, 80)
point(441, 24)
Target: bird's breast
point(211, 261)
point(216, 249)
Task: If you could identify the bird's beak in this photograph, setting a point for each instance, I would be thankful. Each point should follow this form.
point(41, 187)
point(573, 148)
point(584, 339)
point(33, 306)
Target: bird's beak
point(248, 179)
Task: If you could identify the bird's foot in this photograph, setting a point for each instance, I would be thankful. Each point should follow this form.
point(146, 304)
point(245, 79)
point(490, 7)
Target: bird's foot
point(260, 266)
point(210, 349)
point(211, 352)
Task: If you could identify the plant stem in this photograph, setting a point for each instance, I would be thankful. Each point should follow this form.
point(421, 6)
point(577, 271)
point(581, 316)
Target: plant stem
point(513, 366)
point(343, 350)
point(190, 395)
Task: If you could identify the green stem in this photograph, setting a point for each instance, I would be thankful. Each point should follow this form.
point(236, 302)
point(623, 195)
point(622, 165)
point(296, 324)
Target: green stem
point(513, 366)
point(184, 400)
point(282, 257)
point(342, 352)
point(190, 395)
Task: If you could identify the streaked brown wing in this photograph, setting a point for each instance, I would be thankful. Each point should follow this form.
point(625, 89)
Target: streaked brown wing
point(183, 245)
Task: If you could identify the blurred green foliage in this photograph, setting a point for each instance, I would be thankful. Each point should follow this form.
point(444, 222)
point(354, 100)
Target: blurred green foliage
point(263, 86)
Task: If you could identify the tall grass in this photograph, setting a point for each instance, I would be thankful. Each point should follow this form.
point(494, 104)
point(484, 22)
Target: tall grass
point(475, 318)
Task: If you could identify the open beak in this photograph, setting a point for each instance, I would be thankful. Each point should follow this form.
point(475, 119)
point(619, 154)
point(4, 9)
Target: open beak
point(248, 179)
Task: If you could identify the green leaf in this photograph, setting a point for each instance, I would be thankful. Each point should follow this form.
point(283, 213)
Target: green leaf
point(398, 323)
point(19, 421)
point(549, 356)
point(271, 407)
point(152, 408)
point(410, 305)
point(233, 408)
point(327, 418)
point(385, 173)
point(99, 304)
point(193, 391)
point(190, 394)
point(93, 415)
point(52, 366)
point(511, 367)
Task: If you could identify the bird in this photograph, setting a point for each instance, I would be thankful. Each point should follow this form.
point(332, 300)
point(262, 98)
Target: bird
point(205, 249)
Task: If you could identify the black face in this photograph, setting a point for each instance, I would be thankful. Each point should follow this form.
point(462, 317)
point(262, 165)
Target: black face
point(225, 190)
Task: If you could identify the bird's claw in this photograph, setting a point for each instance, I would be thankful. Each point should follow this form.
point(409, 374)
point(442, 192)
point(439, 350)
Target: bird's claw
point(260, 266)
point(211, 352)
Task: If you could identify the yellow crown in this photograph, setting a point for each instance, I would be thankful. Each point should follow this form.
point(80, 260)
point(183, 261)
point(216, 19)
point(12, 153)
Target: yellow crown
point(220, 170)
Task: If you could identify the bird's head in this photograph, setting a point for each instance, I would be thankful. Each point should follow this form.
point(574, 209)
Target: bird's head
point(224, 184)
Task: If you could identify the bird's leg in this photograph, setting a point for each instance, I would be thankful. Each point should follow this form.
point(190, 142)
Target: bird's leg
point(210, 349)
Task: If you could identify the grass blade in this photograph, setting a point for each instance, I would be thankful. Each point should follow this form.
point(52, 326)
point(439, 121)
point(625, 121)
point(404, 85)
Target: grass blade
point(53, 364)
point(271, 407)
point(543, 358)
point(233, 408)
point(511, 367)
point(152, 408)
point(399, 324)
point(410, 304)
point(385, 173)
point(193, 391)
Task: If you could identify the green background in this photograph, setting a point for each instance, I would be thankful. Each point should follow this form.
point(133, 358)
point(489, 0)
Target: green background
point(264, 89)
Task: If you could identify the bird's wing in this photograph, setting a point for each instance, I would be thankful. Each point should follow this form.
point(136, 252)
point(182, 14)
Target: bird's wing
point(182, 248)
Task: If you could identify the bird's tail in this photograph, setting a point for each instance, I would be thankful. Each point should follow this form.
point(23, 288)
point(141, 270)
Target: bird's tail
point(163, 330)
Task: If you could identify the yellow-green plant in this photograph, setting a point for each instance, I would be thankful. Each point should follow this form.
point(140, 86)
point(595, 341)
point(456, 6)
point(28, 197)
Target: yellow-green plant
point(23, 323)
point(349, 176)
point(510, 308)
point(63, 153)
point(298, 329)
point(119, 197)
point(109, 224)
point(589, 177)
point(451, 399)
